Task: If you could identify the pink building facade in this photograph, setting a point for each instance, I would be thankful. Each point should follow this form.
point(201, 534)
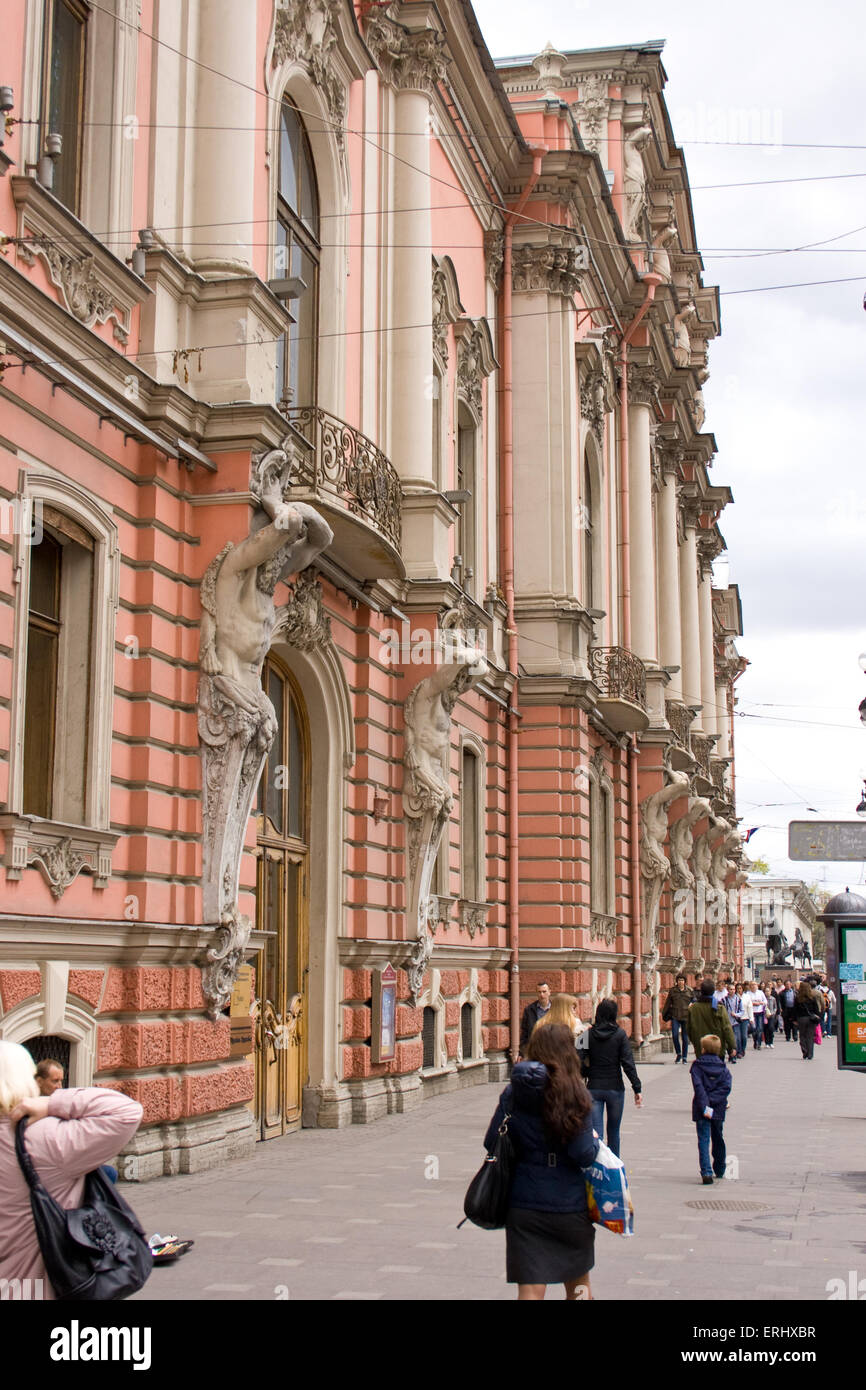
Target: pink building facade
point(332, 255)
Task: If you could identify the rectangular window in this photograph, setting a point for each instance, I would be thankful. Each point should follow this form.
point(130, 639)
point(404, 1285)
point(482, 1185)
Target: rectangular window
point(465, 526)
point(58, 681)
point(469, 824)
point(63, 92)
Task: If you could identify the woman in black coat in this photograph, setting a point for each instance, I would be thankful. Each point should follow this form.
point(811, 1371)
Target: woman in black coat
point(807, 1016)
point(549, 1238)
point(607, 1054)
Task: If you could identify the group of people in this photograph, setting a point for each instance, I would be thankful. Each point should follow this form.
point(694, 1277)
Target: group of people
point(747, 1010)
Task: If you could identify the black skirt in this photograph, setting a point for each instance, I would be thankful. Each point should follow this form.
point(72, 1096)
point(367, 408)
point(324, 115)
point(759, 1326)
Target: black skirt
point(548, 1247)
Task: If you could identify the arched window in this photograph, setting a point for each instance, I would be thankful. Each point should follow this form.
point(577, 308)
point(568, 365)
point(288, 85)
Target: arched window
point(466, 481)
point(65, 43)
point(297, 254)
point(587, 532)
point(467, 1032)
point(472, 868)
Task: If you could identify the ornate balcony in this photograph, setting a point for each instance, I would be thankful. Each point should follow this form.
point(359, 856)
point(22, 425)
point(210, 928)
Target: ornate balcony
point(680, 719)
point(701, 746)
point(621, 680)
point(357, 488)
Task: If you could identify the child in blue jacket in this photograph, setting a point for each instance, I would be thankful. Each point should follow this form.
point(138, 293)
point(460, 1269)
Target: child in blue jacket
point(712, 1084)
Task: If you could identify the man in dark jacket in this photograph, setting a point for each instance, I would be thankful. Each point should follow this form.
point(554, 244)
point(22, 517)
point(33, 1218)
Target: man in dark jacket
point(606, 1055)
point(533, 1012)
point(703, 1019)
point(712, 1084)
point(676, 1012)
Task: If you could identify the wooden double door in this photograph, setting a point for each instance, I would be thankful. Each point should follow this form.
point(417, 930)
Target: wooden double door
point(282, 910)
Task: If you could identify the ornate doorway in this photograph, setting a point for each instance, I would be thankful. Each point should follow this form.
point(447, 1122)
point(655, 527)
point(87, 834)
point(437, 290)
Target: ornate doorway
point(282, 850)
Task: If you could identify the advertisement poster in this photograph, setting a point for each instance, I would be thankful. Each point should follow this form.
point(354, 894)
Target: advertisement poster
point(852, 959)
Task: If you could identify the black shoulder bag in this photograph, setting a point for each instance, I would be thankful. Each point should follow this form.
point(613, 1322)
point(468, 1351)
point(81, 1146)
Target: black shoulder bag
point(95, 1252)
point(487, 1196)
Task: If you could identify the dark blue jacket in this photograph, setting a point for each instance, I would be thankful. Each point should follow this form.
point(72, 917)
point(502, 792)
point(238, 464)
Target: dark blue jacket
point(712, 1083)
point(548, 1176)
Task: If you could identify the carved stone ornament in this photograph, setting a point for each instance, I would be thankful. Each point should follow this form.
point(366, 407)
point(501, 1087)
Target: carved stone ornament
point(603, 928)
point(682, 342)
point(475, 361)
point(427, 799)
point(654, 863)
point(60, 851)
point(663, 241)
point(305, 33)
point(592, 110)
point(303, 622)
point(236, 720)
point(593, 407)
point(75, 276)
point(643, 384)
point(409, 60)
point(446, 307)
point(472, 917)
point(494, 255)
point(551, 269)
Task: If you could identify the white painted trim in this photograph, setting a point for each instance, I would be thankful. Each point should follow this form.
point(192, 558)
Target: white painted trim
point(78, 1025)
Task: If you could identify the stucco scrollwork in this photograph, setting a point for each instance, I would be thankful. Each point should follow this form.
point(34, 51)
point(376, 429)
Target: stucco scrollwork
point(75, 276)
point(592, 110)
point(303, 622)
point(427, 798)
point(236, 720)
point(551, 269)
point(494, 254)
point(643, 384)
point(305, 33)
point(475, 360)
point(593, 407)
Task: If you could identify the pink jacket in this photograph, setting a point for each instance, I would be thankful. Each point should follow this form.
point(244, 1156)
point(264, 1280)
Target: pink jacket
point(84, 1127)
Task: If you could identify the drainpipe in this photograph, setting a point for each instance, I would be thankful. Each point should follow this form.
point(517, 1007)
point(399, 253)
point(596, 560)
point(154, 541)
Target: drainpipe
point(652, 281)
point(508, 579)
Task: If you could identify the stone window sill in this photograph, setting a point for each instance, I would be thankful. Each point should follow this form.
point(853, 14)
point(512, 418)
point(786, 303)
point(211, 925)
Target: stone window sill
point(60, 850)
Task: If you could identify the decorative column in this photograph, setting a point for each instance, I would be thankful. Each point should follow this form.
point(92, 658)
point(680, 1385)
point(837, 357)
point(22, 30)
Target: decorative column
point(691, 639)
point(226, 76)
point(642, 388)
point(705, 624)
point(412, 63)
point(670, 619)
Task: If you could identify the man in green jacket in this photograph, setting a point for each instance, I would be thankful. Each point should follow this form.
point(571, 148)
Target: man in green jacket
point(703, 1019)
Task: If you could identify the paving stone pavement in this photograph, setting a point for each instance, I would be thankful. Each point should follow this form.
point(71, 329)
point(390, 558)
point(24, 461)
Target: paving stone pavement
point(370, 1212)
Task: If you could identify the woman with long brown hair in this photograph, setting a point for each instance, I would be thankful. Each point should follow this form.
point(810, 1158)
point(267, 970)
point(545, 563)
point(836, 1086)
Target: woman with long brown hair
point(549, 1238)
point(564, 1009)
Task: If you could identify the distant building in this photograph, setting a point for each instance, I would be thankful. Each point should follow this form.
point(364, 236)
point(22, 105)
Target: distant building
point(774, 906)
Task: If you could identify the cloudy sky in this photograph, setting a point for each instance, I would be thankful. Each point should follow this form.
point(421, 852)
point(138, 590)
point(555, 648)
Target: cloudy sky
point(785, 396)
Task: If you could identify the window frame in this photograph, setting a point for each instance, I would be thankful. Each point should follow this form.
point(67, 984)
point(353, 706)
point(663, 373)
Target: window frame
point(298, 233)
point(80, 11)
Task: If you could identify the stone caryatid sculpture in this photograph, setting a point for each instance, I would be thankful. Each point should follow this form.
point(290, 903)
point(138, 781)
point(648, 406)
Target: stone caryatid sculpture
point(662, 242)
point(654, 863)
point(682, 341)
point(634, 181)
point(427, 798)
point(702, 859)
point(236, 720)
point(721, 837)
point(682, 844)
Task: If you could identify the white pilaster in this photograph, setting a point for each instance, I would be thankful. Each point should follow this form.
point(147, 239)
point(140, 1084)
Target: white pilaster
point(670, 619)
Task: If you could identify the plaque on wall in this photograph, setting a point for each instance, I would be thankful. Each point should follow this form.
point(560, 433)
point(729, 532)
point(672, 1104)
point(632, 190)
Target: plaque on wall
point(384, 1028)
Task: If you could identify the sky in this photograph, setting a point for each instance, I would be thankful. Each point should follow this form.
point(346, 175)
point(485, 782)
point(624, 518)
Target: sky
point(785, 395)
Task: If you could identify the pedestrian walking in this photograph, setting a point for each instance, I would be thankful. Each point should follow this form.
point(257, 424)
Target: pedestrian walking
point(676, 1011)
point(787, 1002)
point(736, 1014)
point(549, 1238)
point(69, 1133)
point(608, 1054)
point(807, 1011)
point(759, 1006)
point(533, 1012)
point(564, 1010)
point(748, 1017)
point(705, 1018)
point(771, 1018)
point(711, 1081)
point(831, 1009)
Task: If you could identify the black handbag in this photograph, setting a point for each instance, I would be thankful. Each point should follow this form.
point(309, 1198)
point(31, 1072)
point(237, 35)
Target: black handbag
point(487, 1196)
point(97, 1251)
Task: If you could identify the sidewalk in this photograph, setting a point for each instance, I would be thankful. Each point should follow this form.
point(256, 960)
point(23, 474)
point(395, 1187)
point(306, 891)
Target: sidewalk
point(371, 1212)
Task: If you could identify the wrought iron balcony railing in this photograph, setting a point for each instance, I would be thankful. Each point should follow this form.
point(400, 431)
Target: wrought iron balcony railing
point(619, 674)
point(680, 719)
point(701, 746)
point(344, 463)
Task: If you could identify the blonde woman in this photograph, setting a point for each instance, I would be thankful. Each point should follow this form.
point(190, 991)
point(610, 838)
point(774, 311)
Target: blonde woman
point(564, 1009)
point(69, 1133)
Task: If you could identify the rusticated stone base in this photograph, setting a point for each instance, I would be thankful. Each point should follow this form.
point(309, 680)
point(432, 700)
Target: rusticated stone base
point(457, 1078)
point(653, 1047)
point(188, 1146)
